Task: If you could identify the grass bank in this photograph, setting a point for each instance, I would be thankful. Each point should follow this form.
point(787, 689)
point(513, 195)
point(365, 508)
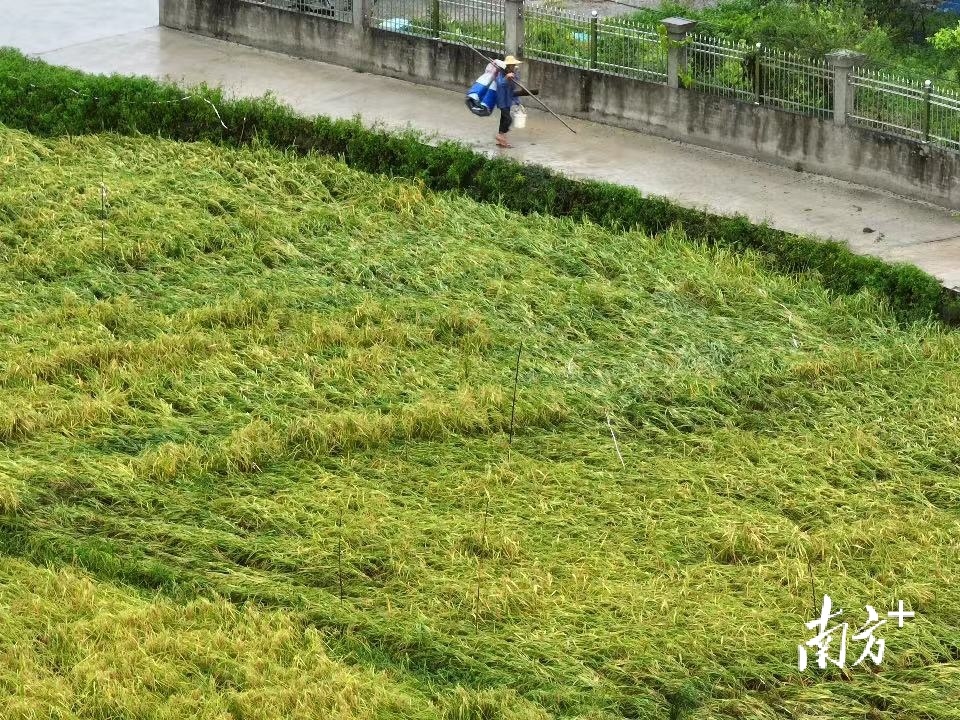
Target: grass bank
point(266, 379)
point(54, 101)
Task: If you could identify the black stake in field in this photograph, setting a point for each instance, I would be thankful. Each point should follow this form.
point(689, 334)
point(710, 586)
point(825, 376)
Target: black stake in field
point(483, 549)
point(340, 553)
point(616, 445)
point(486, 509)
point(103, 215)
point(813, 587)
point(513, 406)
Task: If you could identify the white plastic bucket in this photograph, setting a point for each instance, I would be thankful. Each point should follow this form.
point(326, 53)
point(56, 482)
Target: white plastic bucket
point(519, 116)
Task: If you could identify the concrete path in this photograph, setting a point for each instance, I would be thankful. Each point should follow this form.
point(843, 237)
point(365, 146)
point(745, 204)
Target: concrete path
point(36, 26)
point(901, 229)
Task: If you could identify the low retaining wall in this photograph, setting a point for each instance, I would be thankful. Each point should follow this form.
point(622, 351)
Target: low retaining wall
point(801, 142)
point(308, 36)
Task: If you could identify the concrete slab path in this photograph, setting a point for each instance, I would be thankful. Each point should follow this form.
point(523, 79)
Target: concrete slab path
point(900, 229)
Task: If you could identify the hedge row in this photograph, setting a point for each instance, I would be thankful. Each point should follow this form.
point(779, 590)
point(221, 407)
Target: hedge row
point(51, 101)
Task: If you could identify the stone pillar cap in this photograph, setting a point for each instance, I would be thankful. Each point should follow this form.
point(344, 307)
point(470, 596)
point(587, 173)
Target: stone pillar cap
point(679, 24)
point(846, 58)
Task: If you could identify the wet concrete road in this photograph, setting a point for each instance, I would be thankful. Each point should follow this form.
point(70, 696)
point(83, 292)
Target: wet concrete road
point(903, 230)
point(36, 26)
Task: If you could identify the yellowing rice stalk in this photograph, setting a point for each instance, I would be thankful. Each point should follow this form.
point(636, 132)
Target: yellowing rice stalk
point(261, 345)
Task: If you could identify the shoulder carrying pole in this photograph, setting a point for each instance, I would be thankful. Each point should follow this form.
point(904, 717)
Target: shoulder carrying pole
point(489, 60)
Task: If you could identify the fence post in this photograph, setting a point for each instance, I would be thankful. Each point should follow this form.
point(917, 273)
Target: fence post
point(843, 62)
point(435, 18)
point(361, 13)
point(677, 30)
point(757, 70)
point(593, 39)
point(927, 90)
point(513, 27)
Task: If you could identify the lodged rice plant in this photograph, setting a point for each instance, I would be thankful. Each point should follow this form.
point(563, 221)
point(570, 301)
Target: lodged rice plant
point(254, 462)
point(55, 101)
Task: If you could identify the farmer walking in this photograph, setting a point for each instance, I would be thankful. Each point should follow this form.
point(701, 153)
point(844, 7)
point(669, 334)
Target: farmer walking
point(499, 87)
point(507, 94)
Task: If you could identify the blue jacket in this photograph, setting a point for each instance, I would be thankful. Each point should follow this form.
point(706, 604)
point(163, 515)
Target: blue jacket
point(505, 96)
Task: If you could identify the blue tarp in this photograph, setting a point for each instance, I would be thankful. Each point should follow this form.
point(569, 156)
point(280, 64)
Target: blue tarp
point(395, 24)
point(482, 95)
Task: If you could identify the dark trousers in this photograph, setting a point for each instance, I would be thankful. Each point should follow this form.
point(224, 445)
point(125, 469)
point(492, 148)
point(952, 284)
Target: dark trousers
point(505, 121)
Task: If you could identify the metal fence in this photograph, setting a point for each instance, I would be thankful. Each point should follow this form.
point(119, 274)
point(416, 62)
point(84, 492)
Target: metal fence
point(610, 45)
point(943, 124)
point(341, 10)
point(901, 105)
point(882, 100)
point(795, 83)
point(477, 22)
point(760, 75)
point(632, 50)
point(719, 67)
point(557, 36)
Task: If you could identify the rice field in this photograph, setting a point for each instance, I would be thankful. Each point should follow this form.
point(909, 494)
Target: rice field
point(255, 457)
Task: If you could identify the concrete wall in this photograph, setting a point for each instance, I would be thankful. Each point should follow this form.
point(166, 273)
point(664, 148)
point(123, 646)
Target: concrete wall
point(306, 36)
point(801, 142)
